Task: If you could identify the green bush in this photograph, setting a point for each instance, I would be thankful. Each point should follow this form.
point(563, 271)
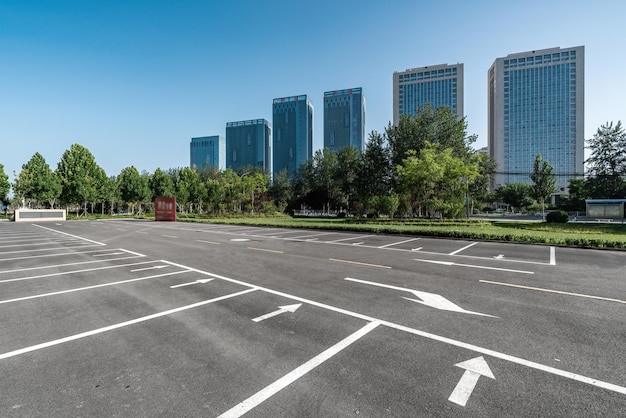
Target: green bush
point(557, 216)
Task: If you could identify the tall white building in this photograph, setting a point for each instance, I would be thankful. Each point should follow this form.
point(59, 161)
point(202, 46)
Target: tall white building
point(537, 105)
point(437, 85)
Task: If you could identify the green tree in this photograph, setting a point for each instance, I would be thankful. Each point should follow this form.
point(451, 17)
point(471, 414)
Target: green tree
point(160, 184)
point(516, 195)
point(254, 184)
point(37, 183)
point(436, 181)
point(544, 182)
point(435, 126)
point(375, 171)
point(281, 191)
point(480, 188)
point(324, 181)
point(79, 175)
point(607, 162)
point(5, 186)
point(578, 192)
point(189, 189)
point(346, 175)
point(133, 188)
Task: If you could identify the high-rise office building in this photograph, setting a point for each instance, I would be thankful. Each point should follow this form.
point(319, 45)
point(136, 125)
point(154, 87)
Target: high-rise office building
point(248, 143)
point(207, 151)
point(293, 133)
point(437, 85)
point(536, 105)
point(344, 119)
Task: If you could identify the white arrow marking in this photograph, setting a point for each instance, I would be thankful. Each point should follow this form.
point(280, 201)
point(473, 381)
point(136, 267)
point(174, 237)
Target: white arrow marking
point(474, 368)
point(149, 268)
point(439, 302)
point(428, 299)
point(417, 249)
point(499, 256)
point(199, 281)
point(281, 309)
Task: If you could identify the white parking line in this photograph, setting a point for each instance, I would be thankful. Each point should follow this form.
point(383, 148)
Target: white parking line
point(60, 292)
point(269, 391)
point(398, 243)
point(59, 254)
point(63, 273)
point(66, 264)
point(559, 292)
point(118, 325)
point(516, 360)
point(350, 238)
point(65, 233)
point(462, 249)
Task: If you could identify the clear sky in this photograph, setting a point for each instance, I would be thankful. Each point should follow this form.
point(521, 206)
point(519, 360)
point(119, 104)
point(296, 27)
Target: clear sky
point(135, 80)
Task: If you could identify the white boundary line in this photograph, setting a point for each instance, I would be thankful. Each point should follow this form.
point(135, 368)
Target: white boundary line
point(61, 254)
point(79, 289)
point(118, 325)
point(462, 249)
point(65, 233)
point(269, 391)
point(62, 273)
point(66, 265)
point(502, 356)
point(398, 243)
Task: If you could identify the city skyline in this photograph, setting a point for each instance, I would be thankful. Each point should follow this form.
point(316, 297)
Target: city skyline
point(133, 82)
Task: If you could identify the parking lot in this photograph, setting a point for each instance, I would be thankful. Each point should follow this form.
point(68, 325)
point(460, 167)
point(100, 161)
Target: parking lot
point(123, 318)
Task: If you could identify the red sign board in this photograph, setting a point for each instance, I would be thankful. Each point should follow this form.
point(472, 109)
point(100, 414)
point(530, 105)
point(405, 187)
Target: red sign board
point(165, 209)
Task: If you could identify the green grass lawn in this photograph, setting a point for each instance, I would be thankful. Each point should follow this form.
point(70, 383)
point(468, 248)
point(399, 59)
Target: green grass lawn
point(574, 234)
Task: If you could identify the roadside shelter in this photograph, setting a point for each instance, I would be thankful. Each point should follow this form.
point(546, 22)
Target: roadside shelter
point(605, 209)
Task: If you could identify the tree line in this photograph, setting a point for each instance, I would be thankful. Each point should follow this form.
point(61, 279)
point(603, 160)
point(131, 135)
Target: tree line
point(424, 166)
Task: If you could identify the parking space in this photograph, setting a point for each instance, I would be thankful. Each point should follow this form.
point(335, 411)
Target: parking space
point(99, 330)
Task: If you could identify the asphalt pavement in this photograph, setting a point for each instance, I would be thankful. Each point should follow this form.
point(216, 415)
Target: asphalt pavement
point(139, 318)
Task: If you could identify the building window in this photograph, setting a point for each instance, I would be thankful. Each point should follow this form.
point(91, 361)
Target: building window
point(290, 153)
point(234, 155)
point(332, 138)
point(286, 118)
point(249, 140)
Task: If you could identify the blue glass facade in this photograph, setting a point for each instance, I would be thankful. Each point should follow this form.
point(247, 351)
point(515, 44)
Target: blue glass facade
point(344, 119)
point(536, 106)
point(207, 151)
point(440, 85)
point(249, 143)
point(293, 133)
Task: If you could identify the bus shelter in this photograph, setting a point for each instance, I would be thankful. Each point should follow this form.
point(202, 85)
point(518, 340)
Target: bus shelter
point(605, 210)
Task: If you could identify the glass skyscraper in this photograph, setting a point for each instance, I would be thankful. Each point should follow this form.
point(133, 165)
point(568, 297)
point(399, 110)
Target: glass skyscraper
point(293, 133)
point(536, 105)
point(248, 143)
point(207, 151)
point(437, 85)
point(344, 119)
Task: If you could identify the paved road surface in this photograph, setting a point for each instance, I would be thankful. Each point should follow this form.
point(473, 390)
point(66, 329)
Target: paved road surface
point(135, 318)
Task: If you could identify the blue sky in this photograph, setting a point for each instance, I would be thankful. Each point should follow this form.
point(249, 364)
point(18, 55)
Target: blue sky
point(134, 81)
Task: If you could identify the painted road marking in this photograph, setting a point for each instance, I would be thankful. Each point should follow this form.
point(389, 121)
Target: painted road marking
point(269, 391)
point(429, 299)
point(106, 255)
point(43, 295)
point(539, 289)
point(552, 256)
point(474, 368)
point(462, 249)
point(281, 310)
point(266, 250)
point(207, 242)
point(170, 236)
point(199, 281)
point(71, 272)
point(61, 254)
point(359, 263)
point(398, 243)
point(65, 265)
point(306, 237)
point(456, 343)
point(150, 268)
point(118, 325)
point(70, 235)
point(451, 263)
point(348, 239)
